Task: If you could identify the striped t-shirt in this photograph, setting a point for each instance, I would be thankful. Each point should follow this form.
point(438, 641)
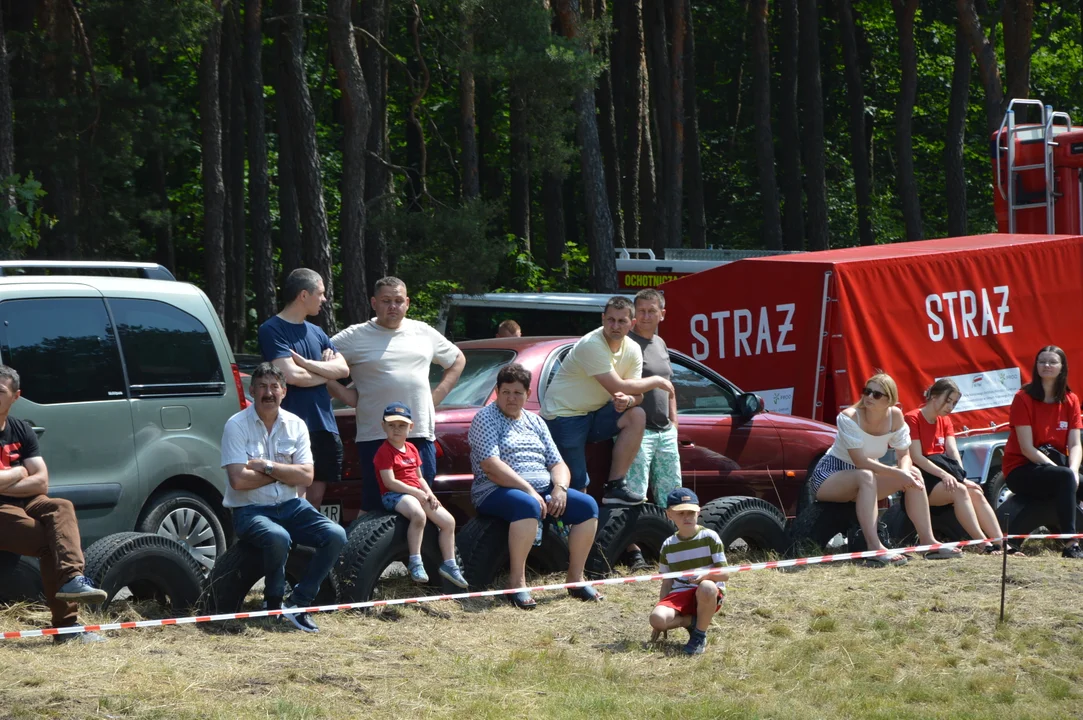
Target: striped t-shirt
point(702, 551)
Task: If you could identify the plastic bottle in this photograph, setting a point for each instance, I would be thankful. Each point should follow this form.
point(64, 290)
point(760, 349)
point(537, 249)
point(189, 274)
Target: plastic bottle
point(541, 526)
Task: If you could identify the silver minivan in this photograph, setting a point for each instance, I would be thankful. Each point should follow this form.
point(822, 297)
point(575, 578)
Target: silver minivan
point(128, 382)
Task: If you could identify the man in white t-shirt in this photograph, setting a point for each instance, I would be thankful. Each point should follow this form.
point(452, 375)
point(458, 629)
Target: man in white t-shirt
point(389, 358)
point(593, 398)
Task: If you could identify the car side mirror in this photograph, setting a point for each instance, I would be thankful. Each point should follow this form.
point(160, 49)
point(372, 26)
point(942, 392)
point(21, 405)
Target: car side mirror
point(749, 404)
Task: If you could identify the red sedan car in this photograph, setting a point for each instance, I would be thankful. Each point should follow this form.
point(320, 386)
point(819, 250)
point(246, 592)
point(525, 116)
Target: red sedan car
point(728, 444)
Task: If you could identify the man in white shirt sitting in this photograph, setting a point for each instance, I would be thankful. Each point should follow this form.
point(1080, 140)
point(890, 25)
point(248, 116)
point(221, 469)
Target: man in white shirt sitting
point(268, 458)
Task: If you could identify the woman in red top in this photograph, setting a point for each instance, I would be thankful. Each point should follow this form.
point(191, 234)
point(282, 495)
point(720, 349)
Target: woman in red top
point(934, 451)
point(1046, 413)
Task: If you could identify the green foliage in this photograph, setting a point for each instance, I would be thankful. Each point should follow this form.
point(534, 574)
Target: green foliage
point(21, 215)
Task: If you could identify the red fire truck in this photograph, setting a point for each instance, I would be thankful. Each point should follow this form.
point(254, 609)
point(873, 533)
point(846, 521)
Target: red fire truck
point(804, 331)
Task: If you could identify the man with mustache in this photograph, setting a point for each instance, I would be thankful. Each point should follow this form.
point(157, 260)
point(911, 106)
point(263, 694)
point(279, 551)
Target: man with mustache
point(267, 456)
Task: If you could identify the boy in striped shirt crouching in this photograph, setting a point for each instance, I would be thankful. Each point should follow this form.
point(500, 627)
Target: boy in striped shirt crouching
point(689, 602)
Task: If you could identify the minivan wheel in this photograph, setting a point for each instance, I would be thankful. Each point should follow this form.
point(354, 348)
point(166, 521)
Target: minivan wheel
point(188, 519)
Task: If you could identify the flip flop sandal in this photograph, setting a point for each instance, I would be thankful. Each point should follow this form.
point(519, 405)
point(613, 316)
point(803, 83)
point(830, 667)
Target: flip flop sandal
point(879, 561)
point(522, 600)
point(993, 549)
point(943, 554)
point(586, 594)
point(1013, 550)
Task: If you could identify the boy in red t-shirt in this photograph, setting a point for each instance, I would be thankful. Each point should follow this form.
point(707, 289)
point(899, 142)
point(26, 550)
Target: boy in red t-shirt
point(404, 491)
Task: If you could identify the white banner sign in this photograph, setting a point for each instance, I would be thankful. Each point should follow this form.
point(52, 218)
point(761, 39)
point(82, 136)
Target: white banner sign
point(989, 389)
point(777, 401)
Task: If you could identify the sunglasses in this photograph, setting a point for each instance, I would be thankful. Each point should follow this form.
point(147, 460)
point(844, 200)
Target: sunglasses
point(874, 394)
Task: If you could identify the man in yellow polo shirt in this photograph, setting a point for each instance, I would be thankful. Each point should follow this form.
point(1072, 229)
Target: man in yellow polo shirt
point(594, 397)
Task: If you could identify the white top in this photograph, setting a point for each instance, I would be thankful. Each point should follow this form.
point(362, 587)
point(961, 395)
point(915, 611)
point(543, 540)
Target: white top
point(246, 437)
point(852, 437)
point(392, 366)
point(574, 390)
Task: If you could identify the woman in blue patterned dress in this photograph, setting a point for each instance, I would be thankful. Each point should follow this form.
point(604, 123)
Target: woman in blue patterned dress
point(520, 477)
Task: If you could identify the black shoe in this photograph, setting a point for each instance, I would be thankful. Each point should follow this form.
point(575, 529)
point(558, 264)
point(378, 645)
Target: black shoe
point(83, 638)
point(637, 562)
point(302, 621)
point(1072, 551)
point(617, 493)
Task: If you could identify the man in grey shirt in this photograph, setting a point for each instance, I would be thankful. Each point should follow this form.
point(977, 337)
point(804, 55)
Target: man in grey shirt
point(658, 462)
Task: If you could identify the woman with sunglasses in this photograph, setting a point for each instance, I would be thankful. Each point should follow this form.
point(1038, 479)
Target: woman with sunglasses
point(851, 471)
point(934, 451)
point(1041, 459)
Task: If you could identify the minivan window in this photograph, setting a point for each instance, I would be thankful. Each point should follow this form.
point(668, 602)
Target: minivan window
point(64, 349)
point(166, 350)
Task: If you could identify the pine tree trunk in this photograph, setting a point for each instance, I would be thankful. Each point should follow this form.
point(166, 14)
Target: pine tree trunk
point(357, 117)
point(812, 102)
point(607, 130)
point(693, 168)
point(955, 141)
point(289, 215)
point(648, 188)
point(489, 170)
point(225, 108)
point(859, 153)
point(374, 17)
point(904, 118)
point(61, 178)
point(214, 191)
point(1018, 21)
point(154, 160)
point(628, 72)
point(765, 147)
point(468, 141)
point(789, 136)
point(259, 203)
point(237, 276)
point(307, 173)
point(668, 112)
point(985, 53)
point(519, 197)
point(603, 264)
point(7, 125)
point(553, 207)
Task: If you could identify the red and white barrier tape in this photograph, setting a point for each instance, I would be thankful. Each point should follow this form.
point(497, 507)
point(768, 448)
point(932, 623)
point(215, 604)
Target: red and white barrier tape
point(731, 569)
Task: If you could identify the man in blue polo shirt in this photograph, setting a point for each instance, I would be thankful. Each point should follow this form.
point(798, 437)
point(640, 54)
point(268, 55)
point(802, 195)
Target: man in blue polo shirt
point(304, 353)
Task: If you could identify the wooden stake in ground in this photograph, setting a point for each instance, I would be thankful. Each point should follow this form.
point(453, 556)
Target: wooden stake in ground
point(1004, 562)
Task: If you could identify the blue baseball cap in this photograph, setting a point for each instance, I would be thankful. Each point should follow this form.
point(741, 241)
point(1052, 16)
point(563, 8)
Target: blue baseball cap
point(397, 411)
point(682, 499)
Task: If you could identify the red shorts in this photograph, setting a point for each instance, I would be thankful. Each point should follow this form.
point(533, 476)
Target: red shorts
point(684, 601)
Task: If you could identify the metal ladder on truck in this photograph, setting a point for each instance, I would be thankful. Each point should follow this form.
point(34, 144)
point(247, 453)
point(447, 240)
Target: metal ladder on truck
point(1005, 144)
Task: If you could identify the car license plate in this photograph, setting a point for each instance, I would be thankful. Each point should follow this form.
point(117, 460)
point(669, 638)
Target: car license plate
point(332, 511)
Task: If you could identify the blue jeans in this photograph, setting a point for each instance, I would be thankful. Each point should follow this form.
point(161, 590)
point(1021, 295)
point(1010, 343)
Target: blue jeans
point(512, 504)
point(274, 528)
point(366, 455)
point(571, 435)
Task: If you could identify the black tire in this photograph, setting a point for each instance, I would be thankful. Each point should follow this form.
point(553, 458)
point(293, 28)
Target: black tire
point(805, 496)
point(900, 529)
point(373, 543)
point(812, 530)
point(995, 489)
point(483, 544)
point(1025, 517)
point(645, 525)
point(761, 525)
point(241, 567)
point(188, 519)
point(20, 579)
point(154, 563)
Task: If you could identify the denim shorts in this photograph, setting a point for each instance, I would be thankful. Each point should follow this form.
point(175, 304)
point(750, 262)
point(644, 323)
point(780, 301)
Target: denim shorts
point(391, 499)
point(571, 435)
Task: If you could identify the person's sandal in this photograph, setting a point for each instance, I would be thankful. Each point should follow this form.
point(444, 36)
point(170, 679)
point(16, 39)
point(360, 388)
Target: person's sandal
point(586, 594)
point(992, 549)
point(893, 560)
point(943, 554)
point(522, 600)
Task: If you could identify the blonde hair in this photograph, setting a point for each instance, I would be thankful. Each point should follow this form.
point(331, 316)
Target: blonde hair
point(887, 383)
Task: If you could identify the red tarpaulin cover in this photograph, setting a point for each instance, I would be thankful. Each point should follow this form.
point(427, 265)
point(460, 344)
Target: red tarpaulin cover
point(806, 330)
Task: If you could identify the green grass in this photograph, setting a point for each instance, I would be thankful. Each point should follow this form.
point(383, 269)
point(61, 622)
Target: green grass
point(922, 641)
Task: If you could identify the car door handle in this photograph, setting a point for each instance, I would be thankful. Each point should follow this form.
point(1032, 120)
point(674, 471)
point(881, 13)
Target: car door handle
point(39, 430)
point(686, 443)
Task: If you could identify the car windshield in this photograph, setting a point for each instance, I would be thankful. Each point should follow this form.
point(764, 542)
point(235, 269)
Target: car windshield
point(478, 379)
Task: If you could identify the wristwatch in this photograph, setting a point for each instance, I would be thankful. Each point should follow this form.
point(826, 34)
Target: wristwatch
point(268, 468)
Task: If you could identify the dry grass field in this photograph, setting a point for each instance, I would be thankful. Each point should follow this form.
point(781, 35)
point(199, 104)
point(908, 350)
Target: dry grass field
point(836, 641)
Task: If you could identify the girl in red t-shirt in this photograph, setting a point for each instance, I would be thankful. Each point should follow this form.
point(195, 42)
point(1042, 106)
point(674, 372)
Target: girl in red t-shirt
point(934, 451)
point(1046, 412)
